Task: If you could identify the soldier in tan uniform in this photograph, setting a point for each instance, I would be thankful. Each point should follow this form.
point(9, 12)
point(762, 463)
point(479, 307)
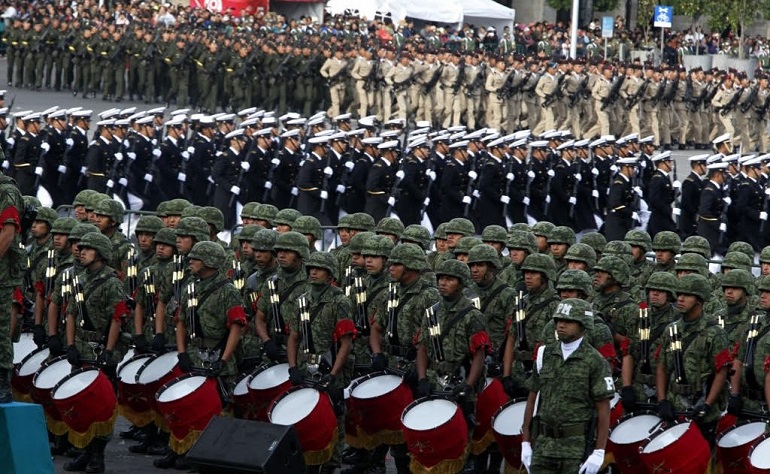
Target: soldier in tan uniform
point(333, 70)
point(360, 72)
point(470, 98)
point(667, 129)
point(695, 125)
point(760, 114)
point(600, 92)
point(546, 90)
point(382, 98)
point(495, 81)
point(720, 100)
point(649, 107)
point(451, 85)
point(528, 96)
point(679, 108)
point(743, 120)
point(425, 84)
point(573, 81)
point(514, 106)
point(630, 92)
point(399, 79)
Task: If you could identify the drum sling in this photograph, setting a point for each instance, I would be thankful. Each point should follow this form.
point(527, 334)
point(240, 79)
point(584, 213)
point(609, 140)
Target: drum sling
point(751, 379)
point(202, 299)
point(394, 340)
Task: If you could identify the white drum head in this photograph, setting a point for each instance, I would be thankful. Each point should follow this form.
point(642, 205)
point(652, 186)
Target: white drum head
point(129, 354)
point(428, 414)
point(633, 430)
point(510, 420)
point(179, 389)
point(668, 437)
point(34, 363)
point(742, 435)
point(242, 387)
point(295, 407)
point(157, 368)
point(270, 377)
point(760, 456)
point(376, 386)
point(23, 348)
point(48, 377)
point(75, 384)
point(127, 373)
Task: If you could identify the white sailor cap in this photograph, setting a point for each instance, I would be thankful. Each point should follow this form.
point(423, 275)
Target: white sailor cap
point(666, 155)
point(491, 137)
point(566, 133)
point(58, 114)
point(367, 122)
point(457, 136)
point(83, 114)
point(225, 118)
point(316, 115)
point(108, 113)
point(418, 142)
point(22, 113)
point(3, 92)
point(269, 121)
point(456, 128)
point(206, 120)
point(632, 137)
point(628, 161)
point(324, 133)
point(716, 166)
point(180, 112)
point(539, 144)
point(440, 138)
point(355, 132)
point(721, 138)
point(731, 158)
point(756, 161)
point(258, 114)
point(497, 143)
point(3, 111)
point(105, 123)
point(459, 144)
point(248, 123)
point(262, 132)
point(269, 113)
point(608, 138)
point(582, 143)
point(315, 121)
point(698, 158)
point(419, 131)
point(319, 139)
point(343, 117)
point(422, 124)
point(137, 116)
point(519, 143)
point(373, 141)
point(477, 135)
point(245, 112)
point(742, 160)
point(122, 123)
point(177, 121)
point(157, 111)
point(569, 144)
point(288, 116)
point(390, 134)
point(73, 110)
point(521, 134)
point(714, 158)
point(338, 136)
point(49, 111)
point(549, 134)
point(145, 120)
point(293, 133)
point(131, 111)
point(237, 133)
point(397, 122)
point(388, 145)
point(647, 140)
point(34, 117)
point(297, 122)
point(599, 142)
point(622, 141)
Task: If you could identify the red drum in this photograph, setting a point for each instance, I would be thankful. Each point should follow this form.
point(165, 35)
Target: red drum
point(242, 405)
point(616, 409)
point(50, 374)
point(489, 401)
point(726, 421)
point(187, 404)
point(759, 455)
point(506, 427)
point(133, 402)
point(312, 415)
point(625, 438)
point(734, 444)
point(87, 404)
point(679, 447)
point(266, 383)
point(436, 434)
point(23, 348)
point(25, 372)
point(374, 410)
point(156, 372)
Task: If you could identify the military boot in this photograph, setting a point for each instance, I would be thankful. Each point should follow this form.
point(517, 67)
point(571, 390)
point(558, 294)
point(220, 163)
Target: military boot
point(96, 464)
point(166, 461)
point(80, 463)
point(6, 395)
point(402, 465)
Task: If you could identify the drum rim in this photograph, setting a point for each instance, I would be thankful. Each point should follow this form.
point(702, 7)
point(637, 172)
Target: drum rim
point(29, 356)
point(738, 425)
point(45, 365)
point(148, 362)
point(631, 415)
point(427, 399)
point(261, 369)
point(175, 379)
point(662, 428)
point(756, 443)
point(368, 377)
point(134, 358)
point(286, 393)
point(510, 402)
point(72, 374)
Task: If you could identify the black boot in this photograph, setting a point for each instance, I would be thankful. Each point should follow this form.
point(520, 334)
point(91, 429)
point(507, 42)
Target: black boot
point(60, 445)
point(80, 463)
point(96, 464)
point(6, 395)
point(181, 463)
point(150, 439)
point(166, 461)
point(402, 465)
point(131, 433)
point(495, 461)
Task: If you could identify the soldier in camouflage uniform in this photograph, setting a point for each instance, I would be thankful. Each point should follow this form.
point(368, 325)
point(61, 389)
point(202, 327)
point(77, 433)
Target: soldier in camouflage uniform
point(109, 216)
point(464, 246)
point(640, 243)
point(38, 263)
point(559, 241)
point(497, 237)
point(440, 238)
point(520, 244)
point(764, 265)
point(164, 245)
point(580, 257)
point(575, 387)
point(542, 229)
point(738, 288)
point(618, 308)
point(456, 229)
point(705, 360)
point(146, 228)
point(696, 263)
point(666, 245)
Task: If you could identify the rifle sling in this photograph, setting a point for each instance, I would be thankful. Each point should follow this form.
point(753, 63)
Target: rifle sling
point(751, 379)
point(491, 298)
point(449, 325)
point(202, 299)
point(394, 339)
point(87, 323)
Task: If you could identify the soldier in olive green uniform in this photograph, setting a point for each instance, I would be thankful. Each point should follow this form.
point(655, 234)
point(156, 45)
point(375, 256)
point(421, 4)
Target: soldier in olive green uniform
point(109, 216)
point(520, 244)
point(617, 307)
point(164, 248)
point(146, 228)
point(738, 288)
point(559, 241)
point(640, 243)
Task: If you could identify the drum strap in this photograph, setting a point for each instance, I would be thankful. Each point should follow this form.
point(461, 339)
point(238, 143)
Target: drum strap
point(748, 368)
point(93, 286)
point(202, 299)
point(453, 322)
point(394, 340)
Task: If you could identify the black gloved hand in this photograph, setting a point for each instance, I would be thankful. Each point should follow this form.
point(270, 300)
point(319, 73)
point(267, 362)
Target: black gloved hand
point(216, 368)
point(469, 413)
point(666, 410)
point(38, 335)
point(140, 344)
point(423, 388)
point(461, 392)
point(327, 381)
point(735, 404)
point(73, 356)
point(509, 386)
point(159, 342)
point(271, 350)
point(700, 411)
point(104, 358)
point(628, 398)
point(54, 345)
point(379, 362)
point(185, 363)
point(295, 376)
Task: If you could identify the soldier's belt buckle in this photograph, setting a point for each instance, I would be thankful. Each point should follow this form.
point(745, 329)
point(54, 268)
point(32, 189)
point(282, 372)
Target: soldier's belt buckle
point(313, 359)
point(313, 369)
point(444, 381)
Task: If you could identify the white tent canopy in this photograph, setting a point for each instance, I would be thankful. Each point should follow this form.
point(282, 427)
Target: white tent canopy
point(478, 12)
point(488, 13)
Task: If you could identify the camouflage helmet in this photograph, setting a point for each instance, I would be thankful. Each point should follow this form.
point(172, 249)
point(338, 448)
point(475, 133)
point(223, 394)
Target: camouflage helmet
point(390, 225)
point(293, 241)
point(81, 229)
point(542, 263)
point(160, 210)
point(465, 244)
point(763, 284)
point(176, 207)
point(378, 246)
point(743, 247)
point(596, 241)
point(523, 240)
point(575, 280)
point(739, 278)
point(362, 222)
point(692, 262)
point(416, 234)
point(409, 255)
point(454, 268)
point(483, 253)
point(694, 284)
point(344, 221)
point(31, 201)
point(110, 208)
point(191, 211)
point(696, 244)
point(639, 238)
point(211, 254)
point(264, 240)
point(194, 227)
point(248, 232)
point(63, 225)
point(266, 212)
point(148, 225)
point(561, 235)
point(494, 233)
point(213, 217)
point(575, 309)
point(94, 199)
point(581, 253)
point(543, 229)
point(308, 225)
point(615, 266)
point(440, 232)
point(166, 235)
point(356, 244)
point(47, 215)
point(248, 210)
point(523, 226)
point(764, 255)
point(460, 225)
point(666, 240)
point(662, 281)
point(737, 260)
point(621, 249)
point(323, 260)
point(98, 242)
point(81, 198)
point(286, 217)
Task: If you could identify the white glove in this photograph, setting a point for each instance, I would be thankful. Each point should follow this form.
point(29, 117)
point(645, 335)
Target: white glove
point(294, 191)
point(548, 198)
point(181, 177)
point(767, 191)
point(69, 142)
point(466, 200)
point(191, 150)
point(476, 193)
point(509, 176)
point(594, 171)
point(400, 174)
point(119, 156)
point(727, 200)
point(275, 162)
point(185, 155)
point(39, 170)
point(677, 212)
point(340, 189)
point(391, 201)
point(6, 165)
point(131, 155)
point(613, 168)
point(235, 190)
point(61, 169)
point(505, 199)
point(45, 147)
point(635, 216)
point(126, 143)
point(154, 142)
point(156, 152)
point(525, 201)
point(593, 463)
point(595, 193)
point(722, 227)
point(328, 171)
point(578, 176)
point(426, 202)
point(245, 166)
point(531, 174)
point(324, 195)
point(472, 175)
point(83, 170)
point(110, 184)
point(638, 190)
point(432, 175)
point(676, 184)
point(210, 180)
point(551, 173)
point(268, 185)
point(763, 216)
point(123, 182)
point(573, 200)
point(10, 141)
point(526, 454)
point(350, 165)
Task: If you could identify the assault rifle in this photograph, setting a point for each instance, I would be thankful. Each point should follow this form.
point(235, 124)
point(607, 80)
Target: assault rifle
point(428, 86)
point(337, 78)
point(748, 102)
point(729, 106)
point(556, 94)
point(477, 81)
point(634, 99)
point(370, 83)
point(668, 97)
point(659, 93)
point(460, 77)
point(582, 92)
point(612, 97)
